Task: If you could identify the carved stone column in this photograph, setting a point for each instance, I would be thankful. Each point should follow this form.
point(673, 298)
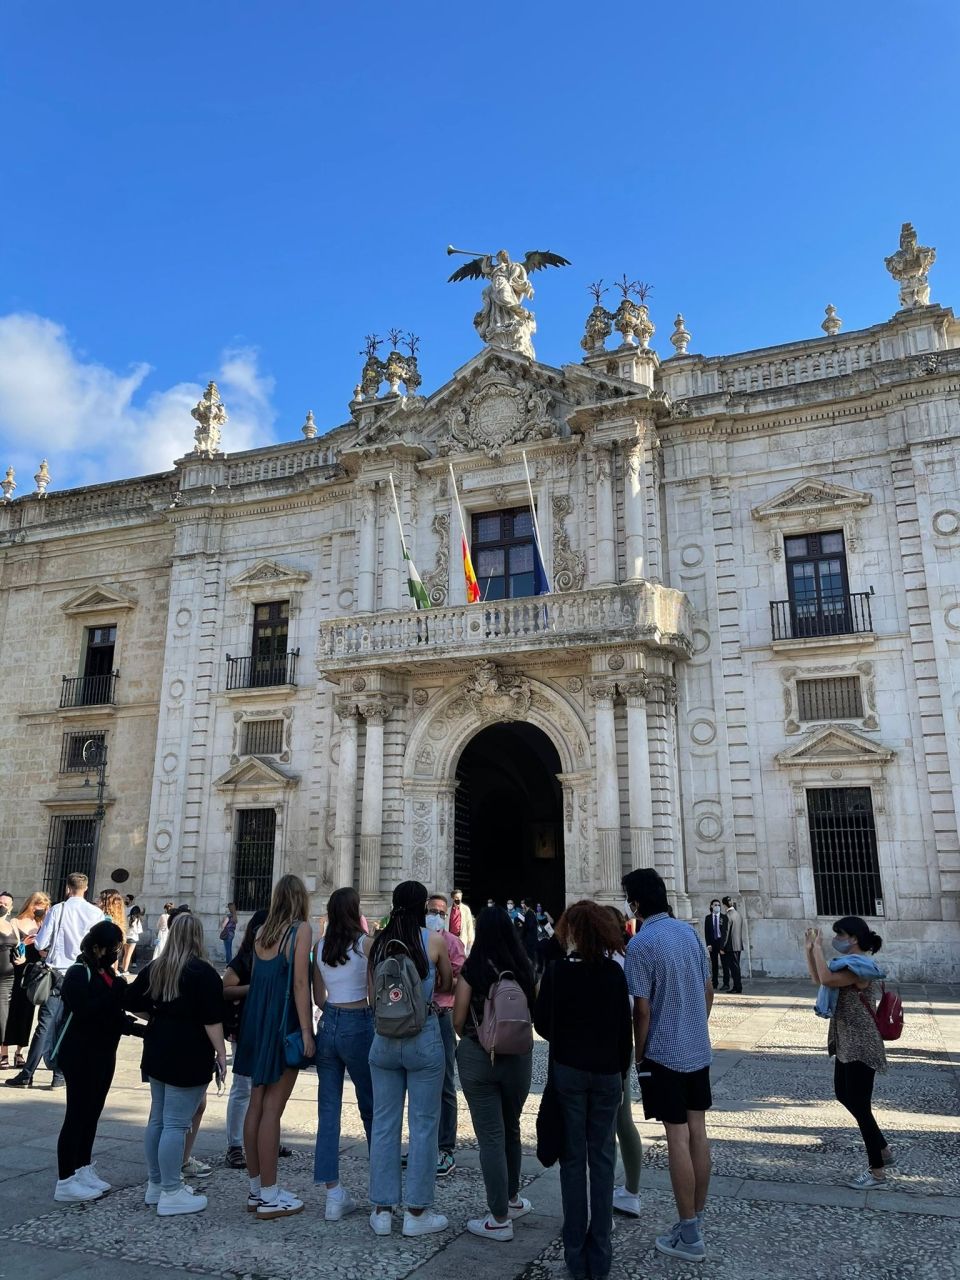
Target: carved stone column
point(633, 510)
point(367, 552)
point(375, 712)
point(638, 764)
point(345, 827)
point(606, 541)
point(669, 846)
point(393, 565)
point(608, 790)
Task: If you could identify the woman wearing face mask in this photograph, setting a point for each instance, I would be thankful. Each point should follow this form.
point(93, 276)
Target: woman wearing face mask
point(93, 997)
point(848, 996)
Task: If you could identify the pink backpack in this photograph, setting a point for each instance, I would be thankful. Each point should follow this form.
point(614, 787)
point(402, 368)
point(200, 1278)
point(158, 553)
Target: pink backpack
point(507, 1027)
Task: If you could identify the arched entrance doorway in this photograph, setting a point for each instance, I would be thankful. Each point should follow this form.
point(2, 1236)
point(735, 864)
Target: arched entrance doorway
point(508, 833)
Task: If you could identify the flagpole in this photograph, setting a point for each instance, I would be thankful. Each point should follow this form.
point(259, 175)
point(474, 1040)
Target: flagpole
point(471, 578)
point(533, 513)
point(456, 498)
point(396, 507)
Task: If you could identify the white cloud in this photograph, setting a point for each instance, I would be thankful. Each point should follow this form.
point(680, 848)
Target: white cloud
point(89, 421)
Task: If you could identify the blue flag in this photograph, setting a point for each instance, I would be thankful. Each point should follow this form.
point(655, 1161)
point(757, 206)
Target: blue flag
point(541, 584)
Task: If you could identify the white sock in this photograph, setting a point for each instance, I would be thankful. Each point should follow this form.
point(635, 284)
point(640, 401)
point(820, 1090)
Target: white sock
point(336, 1190)
point(255, 1185)
point(269, 1194)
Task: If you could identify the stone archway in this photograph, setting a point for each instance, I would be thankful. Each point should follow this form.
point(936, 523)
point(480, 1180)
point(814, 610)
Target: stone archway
point(445, 725)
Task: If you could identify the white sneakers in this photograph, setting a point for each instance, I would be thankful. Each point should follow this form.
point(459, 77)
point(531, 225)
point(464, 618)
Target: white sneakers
point(519, 1208)
point(489, 1228)
point(339, 1203)
point(626, 1202)
point(88, 1174)
point(284, 1205)
point(423, 1224)
point(75, 1191)
point(382, 1222)
point(152, 1194)
point(183, 1200)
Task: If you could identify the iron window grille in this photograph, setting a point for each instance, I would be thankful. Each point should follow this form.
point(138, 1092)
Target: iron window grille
point(843, 846)
point(253, 858)
point(71, 751)
point(71, 846)
point(836, 698)
point(262, 738)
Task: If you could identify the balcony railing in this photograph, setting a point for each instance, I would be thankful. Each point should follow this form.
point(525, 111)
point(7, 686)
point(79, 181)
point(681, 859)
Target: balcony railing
point(632, 613)
point(89, 691)
point(830, 615)
point(262, 673)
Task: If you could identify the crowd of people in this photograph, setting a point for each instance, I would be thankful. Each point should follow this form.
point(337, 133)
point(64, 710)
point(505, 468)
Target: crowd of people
point(431, 994)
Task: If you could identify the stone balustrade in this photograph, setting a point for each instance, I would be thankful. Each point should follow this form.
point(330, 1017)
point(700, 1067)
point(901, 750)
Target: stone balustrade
point(637, 613)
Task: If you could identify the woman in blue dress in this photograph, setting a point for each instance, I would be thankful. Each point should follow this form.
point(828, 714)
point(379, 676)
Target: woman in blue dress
point(278, 1003)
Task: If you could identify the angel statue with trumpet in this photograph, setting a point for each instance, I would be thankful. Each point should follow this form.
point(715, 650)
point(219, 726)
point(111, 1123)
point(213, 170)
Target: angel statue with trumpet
point(502, 320)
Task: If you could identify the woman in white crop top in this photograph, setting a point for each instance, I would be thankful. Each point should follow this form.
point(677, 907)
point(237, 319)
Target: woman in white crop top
point(344, 1037)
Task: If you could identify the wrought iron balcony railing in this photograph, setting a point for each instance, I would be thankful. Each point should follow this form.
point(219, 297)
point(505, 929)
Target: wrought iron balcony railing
point(631, 613)
point(842, 614)
point(262, 673)
point(89, 691)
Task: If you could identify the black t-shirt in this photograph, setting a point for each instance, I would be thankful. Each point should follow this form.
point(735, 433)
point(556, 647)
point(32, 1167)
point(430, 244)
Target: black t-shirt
point(584, 1011)
point(242, 966)
point(176, 1048)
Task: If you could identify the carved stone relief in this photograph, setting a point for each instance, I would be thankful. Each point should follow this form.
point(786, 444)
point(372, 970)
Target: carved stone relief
point(437, 581)
point(569, 566)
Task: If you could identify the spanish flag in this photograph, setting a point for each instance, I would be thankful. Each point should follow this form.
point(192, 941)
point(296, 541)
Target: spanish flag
point(473, 587)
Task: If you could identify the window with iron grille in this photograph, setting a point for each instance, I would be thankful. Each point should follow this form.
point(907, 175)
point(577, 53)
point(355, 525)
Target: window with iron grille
point(837, 698)
point(253, 858)
point(262, 738)
point(71, 751)
point(843, 846)
point(71, 846)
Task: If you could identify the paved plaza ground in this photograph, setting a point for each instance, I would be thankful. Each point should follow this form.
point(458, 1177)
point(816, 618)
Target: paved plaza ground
point(782, 1149)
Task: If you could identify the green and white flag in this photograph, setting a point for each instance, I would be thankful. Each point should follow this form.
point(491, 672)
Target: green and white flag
point(418, 592)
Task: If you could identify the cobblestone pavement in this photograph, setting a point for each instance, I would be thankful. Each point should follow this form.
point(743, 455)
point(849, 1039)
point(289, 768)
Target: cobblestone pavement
point(782, 1150)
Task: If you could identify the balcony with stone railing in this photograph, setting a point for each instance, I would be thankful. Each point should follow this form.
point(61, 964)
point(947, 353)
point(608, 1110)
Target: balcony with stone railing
point(641, 613)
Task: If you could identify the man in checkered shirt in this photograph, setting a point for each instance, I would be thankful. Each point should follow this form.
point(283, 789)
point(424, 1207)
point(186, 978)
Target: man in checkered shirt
point(668, 975)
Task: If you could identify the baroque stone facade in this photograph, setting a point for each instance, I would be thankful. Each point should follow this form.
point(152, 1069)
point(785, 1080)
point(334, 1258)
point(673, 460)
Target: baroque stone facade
point(704, 700)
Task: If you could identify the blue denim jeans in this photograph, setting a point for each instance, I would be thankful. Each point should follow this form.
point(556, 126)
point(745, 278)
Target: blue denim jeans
point(590, 1102)
point(447, 1133)
point(47, 1030)
point(237, 1104)
point(344, 1037)
point(398, 1068)
point(172, 1109)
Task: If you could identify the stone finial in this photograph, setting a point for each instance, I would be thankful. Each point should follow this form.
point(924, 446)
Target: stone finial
point(309, 428)
point(909, 267)
point(211, 417)
point(680, 338)
point(42, 479)
point(832, 322)
point(8, 484)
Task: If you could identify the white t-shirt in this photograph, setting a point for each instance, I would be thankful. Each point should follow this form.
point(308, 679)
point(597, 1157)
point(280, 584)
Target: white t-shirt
point(63, 938)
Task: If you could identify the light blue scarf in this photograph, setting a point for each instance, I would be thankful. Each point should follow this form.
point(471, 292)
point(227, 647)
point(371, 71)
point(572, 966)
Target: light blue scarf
point(862, 966)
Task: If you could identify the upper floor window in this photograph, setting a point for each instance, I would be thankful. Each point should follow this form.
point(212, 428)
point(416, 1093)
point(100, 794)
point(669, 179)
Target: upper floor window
point(816, 573)
point(96, 686)
point(270, 662)
point(502, 552)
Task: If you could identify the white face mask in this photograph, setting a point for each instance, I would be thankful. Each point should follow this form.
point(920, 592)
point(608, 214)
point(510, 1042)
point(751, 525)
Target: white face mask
point(627, 910)
point(509, 906)
point(434, 922)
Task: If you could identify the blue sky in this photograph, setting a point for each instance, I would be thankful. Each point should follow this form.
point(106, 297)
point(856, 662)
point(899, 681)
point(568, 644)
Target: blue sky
point(243, 190)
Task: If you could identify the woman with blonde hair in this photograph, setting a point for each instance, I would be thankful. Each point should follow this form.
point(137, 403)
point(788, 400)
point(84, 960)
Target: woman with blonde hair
point(27, 923)
point(183, 1047)
point(278, 1005)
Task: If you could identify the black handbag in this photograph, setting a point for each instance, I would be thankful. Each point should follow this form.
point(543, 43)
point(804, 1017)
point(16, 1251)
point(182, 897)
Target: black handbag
point(39, 980)
point(549, 1123)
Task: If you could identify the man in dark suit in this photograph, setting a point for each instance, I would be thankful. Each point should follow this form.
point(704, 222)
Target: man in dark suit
point(716, 934)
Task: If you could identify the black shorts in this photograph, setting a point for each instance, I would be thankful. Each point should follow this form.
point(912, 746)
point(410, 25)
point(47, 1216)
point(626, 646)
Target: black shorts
point(669, 1095)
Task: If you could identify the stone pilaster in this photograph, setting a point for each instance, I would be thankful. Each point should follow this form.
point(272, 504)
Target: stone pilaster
point(367, 551)
point(634, 515)
point(638, 766)
point(375, 711)
point(345, 828)
point(392, 566)
point(604, 516)
point(602, 692)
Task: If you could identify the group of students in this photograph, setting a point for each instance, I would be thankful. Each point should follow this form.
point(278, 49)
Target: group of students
point(385, 1002)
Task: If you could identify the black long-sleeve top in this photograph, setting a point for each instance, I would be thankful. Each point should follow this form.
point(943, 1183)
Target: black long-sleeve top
point(584, 1011)
point(96, 1001)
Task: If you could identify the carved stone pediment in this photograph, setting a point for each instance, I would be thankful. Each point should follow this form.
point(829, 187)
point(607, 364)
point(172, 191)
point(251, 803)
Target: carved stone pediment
point(832, 746)
point(808, 497)
point(493, 694)
point(270, 573)
point(96, 599)
point(497, 412)
point(255, 774)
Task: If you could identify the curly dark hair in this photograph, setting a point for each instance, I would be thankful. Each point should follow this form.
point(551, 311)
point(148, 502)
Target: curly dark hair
point(591, 929)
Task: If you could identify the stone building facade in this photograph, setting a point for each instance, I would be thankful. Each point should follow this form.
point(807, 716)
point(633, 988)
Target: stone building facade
point(746, 673)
